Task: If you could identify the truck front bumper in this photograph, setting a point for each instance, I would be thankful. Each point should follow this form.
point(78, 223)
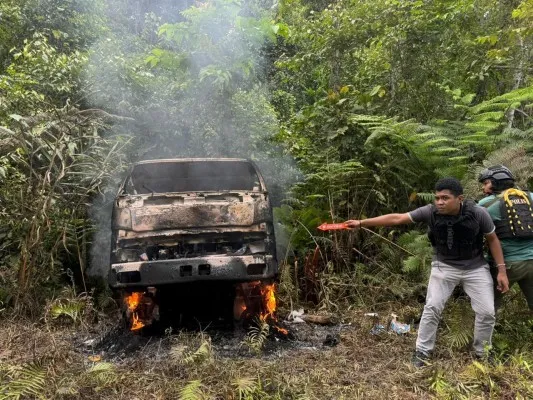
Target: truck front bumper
point(213, 268)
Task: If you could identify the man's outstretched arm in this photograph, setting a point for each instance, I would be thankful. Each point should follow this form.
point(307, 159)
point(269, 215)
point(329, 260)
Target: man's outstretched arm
point(382, 220)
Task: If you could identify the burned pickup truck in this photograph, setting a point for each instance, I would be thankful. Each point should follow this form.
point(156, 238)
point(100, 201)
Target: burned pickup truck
point(186, 230)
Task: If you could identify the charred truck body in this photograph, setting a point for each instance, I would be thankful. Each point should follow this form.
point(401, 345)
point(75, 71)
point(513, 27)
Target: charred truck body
point(184, 230)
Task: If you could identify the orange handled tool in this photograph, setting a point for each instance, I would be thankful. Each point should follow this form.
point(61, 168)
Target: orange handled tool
point(331, 227)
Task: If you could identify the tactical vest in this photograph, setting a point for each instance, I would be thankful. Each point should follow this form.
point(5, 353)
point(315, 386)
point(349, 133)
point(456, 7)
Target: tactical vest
point(456, 237)
point(516, 214)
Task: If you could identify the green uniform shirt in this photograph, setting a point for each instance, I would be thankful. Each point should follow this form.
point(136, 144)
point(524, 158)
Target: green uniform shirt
point(513, 249)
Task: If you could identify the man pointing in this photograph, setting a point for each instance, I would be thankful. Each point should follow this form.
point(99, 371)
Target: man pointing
point(456, 231)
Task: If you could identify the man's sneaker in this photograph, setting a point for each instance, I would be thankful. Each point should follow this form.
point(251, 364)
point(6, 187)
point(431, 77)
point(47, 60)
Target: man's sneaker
point(420, 359)
point(486, 358)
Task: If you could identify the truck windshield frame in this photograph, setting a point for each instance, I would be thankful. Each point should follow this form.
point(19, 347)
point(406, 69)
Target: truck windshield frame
point(192, 176)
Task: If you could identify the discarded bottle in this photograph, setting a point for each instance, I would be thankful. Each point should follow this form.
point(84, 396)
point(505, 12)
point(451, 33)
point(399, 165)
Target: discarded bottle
point(377, 329)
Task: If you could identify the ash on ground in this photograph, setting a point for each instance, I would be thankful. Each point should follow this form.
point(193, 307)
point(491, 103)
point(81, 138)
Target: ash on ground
point(116, 344)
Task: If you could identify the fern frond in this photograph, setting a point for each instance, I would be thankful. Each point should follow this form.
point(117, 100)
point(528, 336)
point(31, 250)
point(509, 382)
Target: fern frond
point(458, 338)
point(27, 381)
point(460, 324)
point(101, 367)
point(194, 390)
point(426, 197)
point(102, 373)
point(245, 386)
point(71, 309)
point(490, 105)
point(257, 336)
point(438, 382)
point(177, 352)
point(444, 150)
point(204, 353)
point(471, 139)
point(490, 116)
point(456, 159)
point(435, 141)
point(483, 125)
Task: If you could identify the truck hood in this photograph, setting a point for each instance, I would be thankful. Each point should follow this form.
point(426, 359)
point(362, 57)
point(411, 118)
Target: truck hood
point(147, 212)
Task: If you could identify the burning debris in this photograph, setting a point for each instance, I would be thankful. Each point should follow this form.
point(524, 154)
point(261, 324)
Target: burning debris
point(254, 303)
point(253, 300)
point(259, 332)
point(133, 301)
point(259, 339)
point(141, 309)
point(269, 298)
point(257, 300)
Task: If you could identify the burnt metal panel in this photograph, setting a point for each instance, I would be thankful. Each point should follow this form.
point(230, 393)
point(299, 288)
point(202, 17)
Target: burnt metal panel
point(231, 268)
point(195, 215)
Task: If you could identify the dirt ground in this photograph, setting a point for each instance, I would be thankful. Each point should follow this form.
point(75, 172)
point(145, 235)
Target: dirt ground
point(340, 361)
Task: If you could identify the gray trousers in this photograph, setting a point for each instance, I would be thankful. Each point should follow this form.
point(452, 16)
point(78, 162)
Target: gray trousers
point(478, 285)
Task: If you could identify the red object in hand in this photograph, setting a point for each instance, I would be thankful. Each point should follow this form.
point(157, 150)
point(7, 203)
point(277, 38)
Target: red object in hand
point(331, 227)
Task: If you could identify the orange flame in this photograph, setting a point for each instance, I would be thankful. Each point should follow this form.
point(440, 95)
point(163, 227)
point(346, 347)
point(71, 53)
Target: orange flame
point(281, 330)
point(133, 301)
point(269, 297)
point(136, 323)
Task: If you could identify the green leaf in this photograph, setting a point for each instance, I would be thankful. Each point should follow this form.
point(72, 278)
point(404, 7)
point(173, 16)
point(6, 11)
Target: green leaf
point(375, 90)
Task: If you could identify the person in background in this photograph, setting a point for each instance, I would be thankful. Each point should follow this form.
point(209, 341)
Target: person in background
point(512, 212)
point(456, 231)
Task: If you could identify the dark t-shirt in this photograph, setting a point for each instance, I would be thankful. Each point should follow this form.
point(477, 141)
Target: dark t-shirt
point(423, 215)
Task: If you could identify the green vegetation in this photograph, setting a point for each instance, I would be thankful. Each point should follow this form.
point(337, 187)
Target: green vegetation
point(351, 108)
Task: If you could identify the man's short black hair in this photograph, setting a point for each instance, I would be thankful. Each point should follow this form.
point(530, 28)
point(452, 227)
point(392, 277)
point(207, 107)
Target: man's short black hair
point(451, 184)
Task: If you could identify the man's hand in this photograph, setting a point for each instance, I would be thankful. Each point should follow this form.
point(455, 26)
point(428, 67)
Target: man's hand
point(353, 223)
point(503, 282)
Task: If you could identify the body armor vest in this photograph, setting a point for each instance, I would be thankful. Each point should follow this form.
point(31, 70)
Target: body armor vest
point(456, 237)
point(516, 214)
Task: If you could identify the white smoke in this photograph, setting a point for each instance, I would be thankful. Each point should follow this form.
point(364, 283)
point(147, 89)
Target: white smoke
point(199, 95)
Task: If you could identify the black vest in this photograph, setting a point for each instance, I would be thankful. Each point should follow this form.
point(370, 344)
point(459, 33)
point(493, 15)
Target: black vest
point(456, 237)
point(516, 214)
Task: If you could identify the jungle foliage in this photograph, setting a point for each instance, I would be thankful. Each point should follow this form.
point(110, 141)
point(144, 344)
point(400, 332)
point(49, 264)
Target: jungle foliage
point(365, 104)
point(351, 108)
